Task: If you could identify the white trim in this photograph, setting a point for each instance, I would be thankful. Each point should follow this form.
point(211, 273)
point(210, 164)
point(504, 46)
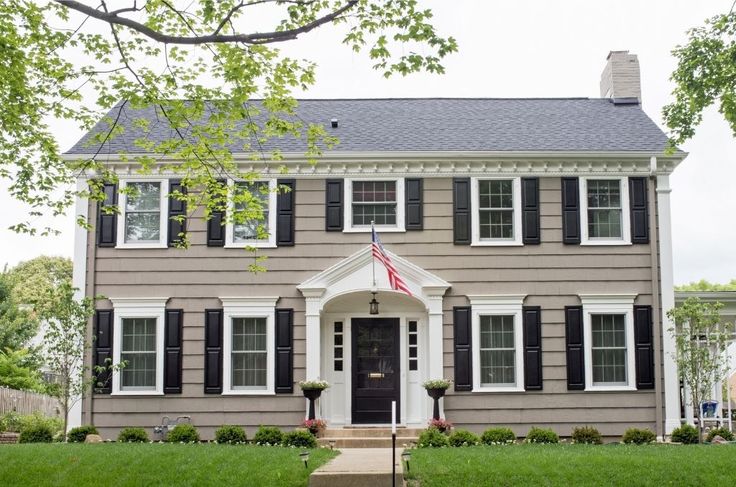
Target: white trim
point(348, 212)
point(625, 215)
point(139, 308)
point(609, 304)
point(163, 216)
point(507, 305)
point(248, 307)
point(266, 243)
point(671, 375)
point(475, 215)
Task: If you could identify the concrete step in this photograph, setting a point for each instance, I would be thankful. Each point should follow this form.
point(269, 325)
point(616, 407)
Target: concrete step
point(359, 468)
point(367, 442)
point(369, 432)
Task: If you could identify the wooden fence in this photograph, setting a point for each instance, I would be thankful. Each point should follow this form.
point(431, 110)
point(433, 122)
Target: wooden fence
point(25, 402)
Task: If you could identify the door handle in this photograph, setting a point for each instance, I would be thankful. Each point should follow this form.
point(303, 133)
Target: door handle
point(376, 375)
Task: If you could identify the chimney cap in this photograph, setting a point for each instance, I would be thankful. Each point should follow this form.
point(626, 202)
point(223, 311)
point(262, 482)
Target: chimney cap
point(611, 53)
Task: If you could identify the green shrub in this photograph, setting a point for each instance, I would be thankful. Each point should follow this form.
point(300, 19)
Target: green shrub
point(639, 436)
point(16, 423)
point(586, 435)
point(230, 434)
point(686, 434)
point(133, 435)
point(299, 439)
point(541, 435)
point(463, 438)
point(183, 433)
point(79, 434)
point(432, 437)
point(38, 433)
point(268, 435)
point(498, 436)
point(723, 432)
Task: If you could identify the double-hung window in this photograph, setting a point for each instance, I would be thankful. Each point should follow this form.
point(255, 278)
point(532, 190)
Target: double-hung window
point(497, 339)
point(143, 220)
point(608, 337)
point(605, 211)
point(496, 204)
point(380, 201)
point(249, 345)
point(138, 343)
point(255, 222)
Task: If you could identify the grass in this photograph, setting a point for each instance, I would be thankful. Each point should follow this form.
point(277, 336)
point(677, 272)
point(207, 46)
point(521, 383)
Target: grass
point(122, 464)
point(578, 465)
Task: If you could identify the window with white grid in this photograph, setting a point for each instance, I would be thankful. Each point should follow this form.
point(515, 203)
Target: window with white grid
point(249, 353)
point(374, 201)
point(253, 227)
point(608, 332)
point(143, 212)
point(138, 353)
point(496, 209)
point(497, 350)
point(605, 209)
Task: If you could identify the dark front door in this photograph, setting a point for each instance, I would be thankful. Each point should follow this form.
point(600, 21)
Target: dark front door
point(375, 369)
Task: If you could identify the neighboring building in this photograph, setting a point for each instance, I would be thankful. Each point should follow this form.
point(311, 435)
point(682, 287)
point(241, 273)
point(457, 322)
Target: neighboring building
point(533, 234)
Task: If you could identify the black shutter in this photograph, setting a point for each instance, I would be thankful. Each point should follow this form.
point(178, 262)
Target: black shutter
point(639, 203)
point(570, 210)
point(575, 350)
point(177, 208)
point(414, 199)
point(333, 205)
point(172, 351)
point(463, 352)
point(461, 210)
point(284, 351)
point(530, 210)
point(285, 213)
point(107, 223)
point(103, 350)
point(213, 351)
point(216, 226)
point(532, 348)
point(643, 342)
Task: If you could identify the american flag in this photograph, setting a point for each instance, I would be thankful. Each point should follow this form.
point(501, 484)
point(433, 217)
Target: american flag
point(394, 279)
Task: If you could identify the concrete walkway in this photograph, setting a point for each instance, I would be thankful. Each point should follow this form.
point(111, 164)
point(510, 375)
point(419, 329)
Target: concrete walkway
point(359, 467)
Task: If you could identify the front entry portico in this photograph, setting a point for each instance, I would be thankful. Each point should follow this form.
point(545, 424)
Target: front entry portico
point(370, 360)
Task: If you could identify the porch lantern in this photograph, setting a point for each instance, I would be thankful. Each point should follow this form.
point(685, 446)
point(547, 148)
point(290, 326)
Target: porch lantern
point(374, 304)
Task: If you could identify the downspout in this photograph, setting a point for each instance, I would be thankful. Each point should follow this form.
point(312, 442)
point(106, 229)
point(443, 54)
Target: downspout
point(658, 328)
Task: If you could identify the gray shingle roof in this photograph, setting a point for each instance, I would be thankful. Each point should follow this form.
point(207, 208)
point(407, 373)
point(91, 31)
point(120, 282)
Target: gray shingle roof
point(443, 124)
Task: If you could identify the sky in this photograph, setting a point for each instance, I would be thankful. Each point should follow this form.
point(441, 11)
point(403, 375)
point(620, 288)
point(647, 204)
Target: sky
point(527, 48)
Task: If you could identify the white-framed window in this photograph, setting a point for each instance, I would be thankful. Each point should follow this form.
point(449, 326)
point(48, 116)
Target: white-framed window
point(496, 207)
point(143, 214)
point(380, 200)
point(256, 232)
point(498, 353)
point(604, 211)
point(248, 345)
point(138, 342)
point(608, 337)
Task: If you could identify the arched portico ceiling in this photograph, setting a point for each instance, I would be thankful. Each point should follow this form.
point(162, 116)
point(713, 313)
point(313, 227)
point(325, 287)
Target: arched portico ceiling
point(355, 273)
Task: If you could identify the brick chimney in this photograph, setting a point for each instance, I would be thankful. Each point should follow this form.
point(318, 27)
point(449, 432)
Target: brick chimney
point(620, 78)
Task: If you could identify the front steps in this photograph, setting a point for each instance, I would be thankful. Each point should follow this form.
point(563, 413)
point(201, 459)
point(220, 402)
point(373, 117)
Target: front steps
point(379, 437)
point(360, 467)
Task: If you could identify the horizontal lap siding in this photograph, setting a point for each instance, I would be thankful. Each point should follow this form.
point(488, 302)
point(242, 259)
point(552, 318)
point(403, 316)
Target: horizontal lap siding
point(551, 275)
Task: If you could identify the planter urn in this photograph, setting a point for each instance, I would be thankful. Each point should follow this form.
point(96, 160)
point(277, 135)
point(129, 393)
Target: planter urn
point(436, 394)
point(312, 395)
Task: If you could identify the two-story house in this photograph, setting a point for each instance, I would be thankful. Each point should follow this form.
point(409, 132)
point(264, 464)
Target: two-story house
point(533, 234)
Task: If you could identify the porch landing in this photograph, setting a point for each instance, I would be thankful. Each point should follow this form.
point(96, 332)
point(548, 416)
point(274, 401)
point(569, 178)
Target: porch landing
point(378, 437)
point(359, 467)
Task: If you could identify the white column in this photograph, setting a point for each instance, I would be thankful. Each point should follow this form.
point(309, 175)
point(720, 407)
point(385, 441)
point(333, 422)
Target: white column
point(671, 376)
point(435, 337)
point(313, 352)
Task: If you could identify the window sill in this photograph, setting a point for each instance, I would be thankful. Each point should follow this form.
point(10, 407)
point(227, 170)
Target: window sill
point(497, 389)
point(255, 245)
point(142, 246)
point(610, 388)
point(253, 392)
point(604, 242)
point(137, 393)
point(378, 230)
point(497, 243)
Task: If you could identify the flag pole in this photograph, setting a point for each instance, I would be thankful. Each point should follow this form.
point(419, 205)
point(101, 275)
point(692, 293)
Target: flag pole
point(373, 258)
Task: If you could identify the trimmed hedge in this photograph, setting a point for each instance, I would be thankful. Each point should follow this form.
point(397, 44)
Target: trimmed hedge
point(463, 438)
point(586, 435)
point(230, 434)
point(268, 435)
point(183, 433)
point(299, 439)
point(37, 433)
point(133, 435)
point(432, 438)
point(723, 432)
point(541, 435)
point(638, 436)
point(79, 434)
point(686, 434)
point(498, 436)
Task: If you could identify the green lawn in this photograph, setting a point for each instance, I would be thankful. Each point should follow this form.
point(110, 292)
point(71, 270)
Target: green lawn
point(154, 464)
point(629, 465)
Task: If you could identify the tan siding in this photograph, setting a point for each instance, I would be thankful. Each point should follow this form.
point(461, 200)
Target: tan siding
point(551, 275)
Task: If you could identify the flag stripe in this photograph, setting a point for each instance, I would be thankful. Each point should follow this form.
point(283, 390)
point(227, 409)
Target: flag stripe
point(394, 279)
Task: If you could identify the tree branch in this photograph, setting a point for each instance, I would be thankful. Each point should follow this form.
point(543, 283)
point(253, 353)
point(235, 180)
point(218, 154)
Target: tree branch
point(255, 38)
